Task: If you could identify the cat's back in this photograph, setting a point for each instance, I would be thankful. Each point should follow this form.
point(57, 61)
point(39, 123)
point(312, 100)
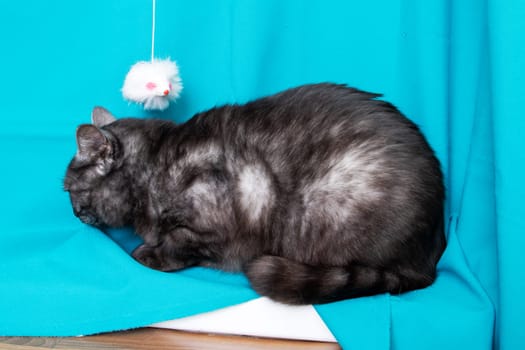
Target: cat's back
point(317, 126)
point(316, 105)
point(321, 116)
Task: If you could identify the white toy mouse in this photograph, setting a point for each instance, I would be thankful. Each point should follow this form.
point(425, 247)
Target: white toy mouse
point(153, 83)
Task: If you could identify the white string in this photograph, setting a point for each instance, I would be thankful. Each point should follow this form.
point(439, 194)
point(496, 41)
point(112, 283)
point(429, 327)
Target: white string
point(153, 30)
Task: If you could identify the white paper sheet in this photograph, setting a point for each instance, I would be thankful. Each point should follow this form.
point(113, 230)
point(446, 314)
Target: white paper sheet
point(260, 317)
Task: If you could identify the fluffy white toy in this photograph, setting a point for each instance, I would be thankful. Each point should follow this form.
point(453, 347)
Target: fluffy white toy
point(153, 83)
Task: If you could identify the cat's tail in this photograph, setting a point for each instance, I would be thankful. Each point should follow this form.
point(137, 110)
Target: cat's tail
point(291, 282)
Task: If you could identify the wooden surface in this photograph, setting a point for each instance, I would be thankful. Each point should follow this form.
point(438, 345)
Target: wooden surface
point(158, 339)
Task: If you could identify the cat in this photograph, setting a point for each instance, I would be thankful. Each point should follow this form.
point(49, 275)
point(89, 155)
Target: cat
point(319, 193)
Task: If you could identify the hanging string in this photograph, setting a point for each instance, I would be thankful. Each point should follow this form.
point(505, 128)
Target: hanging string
point(153, 30)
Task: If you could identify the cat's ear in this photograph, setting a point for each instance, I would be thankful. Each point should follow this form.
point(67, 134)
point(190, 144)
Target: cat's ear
point(91, 142)
point(101, 116)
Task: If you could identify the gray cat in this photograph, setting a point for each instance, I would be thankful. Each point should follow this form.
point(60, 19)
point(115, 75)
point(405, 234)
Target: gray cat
point(318, 193)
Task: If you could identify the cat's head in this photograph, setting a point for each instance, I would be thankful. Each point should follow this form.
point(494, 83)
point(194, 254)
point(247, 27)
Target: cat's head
point(98, 188)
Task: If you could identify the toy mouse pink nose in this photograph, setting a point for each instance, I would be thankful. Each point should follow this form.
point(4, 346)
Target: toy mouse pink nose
point(166, 92)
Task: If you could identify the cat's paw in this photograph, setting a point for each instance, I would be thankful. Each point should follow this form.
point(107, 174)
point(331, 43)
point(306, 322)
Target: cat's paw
point(147, 256)
point(156, 258)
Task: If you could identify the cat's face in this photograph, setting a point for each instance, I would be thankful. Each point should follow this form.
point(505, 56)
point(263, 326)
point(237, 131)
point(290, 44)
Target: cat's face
point(99, 191)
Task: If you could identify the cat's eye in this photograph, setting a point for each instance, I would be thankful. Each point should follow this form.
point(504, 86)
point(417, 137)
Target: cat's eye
point(151, 85)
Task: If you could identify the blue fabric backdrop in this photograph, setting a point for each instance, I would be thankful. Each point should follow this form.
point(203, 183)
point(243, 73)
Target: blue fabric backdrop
point(454, 67)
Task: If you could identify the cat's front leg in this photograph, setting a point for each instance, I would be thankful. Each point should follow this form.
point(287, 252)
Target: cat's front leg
point(148, 230)
point(156, 257)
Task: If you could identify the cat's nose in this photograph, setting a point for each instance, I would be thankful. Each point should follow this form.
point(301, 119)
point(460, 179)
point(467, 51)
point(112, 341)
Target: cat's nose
point(80, 214)
point(166, 92)
point(77, 211)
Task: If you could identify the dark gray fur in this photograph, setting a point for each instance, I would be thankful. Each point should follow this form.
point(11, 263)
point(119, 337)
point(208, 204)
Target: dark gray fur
point(318, 193)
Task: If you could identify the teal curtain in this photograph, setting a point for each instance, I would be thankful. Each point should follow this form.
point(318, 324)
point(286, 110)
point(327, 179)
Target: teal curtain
point(454, 67)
